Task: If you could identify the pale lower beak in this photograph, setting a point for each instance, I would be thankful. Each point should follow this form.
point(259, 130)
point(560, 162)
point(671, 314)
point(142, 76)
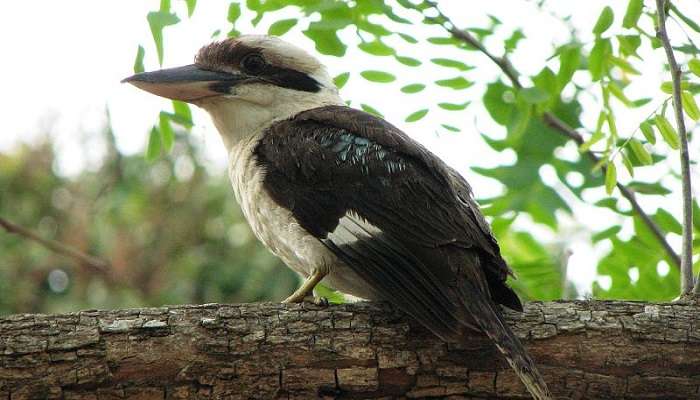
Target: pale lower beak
point(188, 83)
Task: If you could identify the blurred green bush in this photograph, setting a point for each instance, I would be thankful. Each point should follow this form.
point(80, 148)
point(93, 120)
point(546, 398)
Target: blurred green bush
point(171, 231)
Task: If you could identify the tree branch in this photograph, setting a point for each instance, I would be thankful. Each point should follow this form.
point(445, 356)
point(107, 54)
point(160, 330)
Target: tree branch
point(558, 125)
point(687, 252)
point(57, 247)
point(589, 350)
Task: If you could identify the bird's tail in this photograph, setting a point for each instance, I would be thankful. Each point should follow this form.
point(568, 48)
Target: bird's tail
point(491, 323)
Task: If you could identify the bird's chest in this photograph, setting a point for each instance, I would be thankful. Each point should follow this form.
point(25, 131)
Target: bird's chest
point(273, 225)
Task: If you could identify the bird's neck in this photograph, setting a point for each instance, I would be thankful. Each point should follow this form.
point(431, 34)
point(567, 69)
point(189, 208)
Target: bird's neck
point(238, 119)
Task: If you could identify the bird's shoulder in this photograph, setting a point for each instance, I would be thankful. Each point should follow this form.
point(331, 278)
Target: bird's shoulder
point(352, 140)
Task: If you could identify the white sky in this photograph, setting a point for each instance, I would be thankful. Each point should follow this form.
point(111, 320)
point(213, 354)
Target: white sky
point(62, 63)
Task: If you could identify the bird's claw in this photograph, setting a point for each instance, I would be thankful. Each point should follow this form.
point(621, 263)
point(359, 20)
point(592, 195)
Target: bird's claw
point(316, 300)
point(320, 301)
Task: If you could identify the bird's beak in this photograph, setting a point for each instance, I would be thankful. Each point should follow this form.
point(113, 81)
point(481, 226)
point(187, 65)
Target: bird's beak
point(188, 83)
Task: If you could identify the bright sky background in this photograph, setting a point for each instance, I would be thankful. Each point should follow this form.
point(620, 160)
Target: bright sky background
point(63, 60)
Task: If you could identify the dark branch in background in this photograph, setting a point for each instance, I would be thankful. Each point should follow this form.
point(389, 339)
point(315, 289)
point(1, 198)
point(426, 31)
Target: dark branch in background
point(553, 122)
point(57, 247)
point(687, 253)
point(557, 124)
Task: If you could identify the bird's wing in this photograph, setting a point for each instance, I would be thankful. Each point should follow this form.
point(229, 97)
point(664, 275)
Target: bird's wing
point(388, 208)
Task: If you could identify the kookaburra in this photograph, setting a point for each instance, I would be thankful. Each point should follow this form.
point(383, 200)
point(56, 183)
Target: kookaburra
point(344, 197)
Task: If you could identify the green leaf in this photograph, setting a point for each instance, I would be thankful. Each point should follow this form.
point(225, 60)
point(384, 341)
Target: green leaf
point(689, 105)
point(413, 88)
point(417, 115)
point(341, 80)
point(519, 120)
point(648, 131)
point(624, 65)
point(453, 106)
point(279, 28)
point(378, 76)
point(569, 61)
point(408, 38)
point(495, 102)
point(629, 44)
point(694, 66)
point(533, 95)
point(153, 149)
point(632, 14)
point(627, 163)
point(604, 21)
point(612, 124)
point(157, 20)
point(183, 113)
point(326, 41)
point(370, 109)
point(667, 131)
point(512, 42)
point(642, 154)
point(445, 62)
point(374, 29)
point(190, 7)
point(608, 202)
point(610, 178)
point(641, 102)
point(443, 41)
point(234, 12)
point(692, 24)
point(138, 62)
point(546, 81)
point(648, 188)
point(377, 48)
point(450, 128)
point(167, 136)
point(616, 91)
point(457, 83)
point(597, 134)
point(667, 87)
point(595, 138)
point(608, 233)
point(599, 57)
point(411, 62)
point(668, 222)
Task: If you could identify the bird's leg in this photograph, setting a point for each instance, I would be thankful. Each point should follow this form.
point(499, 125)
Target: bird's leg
point(306, 288)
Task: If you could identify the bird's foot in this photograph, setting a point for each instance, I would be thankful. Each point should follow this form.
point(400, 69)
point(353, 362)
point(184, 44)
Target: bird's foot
point(317, 300)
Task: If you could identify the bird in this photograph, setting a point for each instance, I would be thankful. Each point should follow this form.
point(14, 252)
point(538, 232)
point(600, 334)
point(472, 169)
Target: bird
point(344, 197)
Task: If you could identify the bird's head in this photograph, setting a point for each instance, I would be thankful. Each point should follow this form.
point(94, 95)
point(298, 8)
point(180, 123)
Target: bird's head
point(245, 83)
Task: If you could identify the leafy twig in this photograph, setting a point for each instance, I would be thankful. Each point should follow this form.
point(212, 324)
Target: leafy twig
point(687, 252)
point(57, 247)
point(557, 124)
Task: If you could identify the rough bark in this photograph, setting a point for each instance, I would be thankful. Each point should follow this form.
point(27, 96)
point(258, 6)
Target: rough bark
point(586, 350)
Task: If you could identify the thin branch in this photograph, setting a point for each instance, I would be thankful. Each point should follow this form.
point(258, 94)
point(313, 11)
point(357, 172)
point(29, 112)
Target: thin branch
point(57, 247)
point(558, 125)
point(687, 252)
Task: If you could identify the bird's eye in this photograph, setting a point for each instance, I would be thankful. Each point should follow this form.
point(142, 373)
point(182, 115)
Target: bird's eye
point(253, 64)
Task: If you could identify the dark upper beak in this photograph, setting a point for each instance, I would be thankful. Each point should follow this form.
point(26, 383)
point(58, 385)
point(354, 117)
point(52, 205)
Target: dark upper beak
point(188, 83)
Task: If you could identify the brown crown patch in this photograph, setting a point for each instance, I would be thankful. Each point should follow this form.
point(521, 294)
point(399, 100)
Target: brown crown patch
point(224, 53)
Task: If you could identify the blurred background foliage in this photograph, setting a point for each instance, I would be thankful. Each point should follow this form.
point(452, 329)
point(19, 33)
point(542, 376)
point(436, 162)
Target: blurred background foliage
point(173, 233)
